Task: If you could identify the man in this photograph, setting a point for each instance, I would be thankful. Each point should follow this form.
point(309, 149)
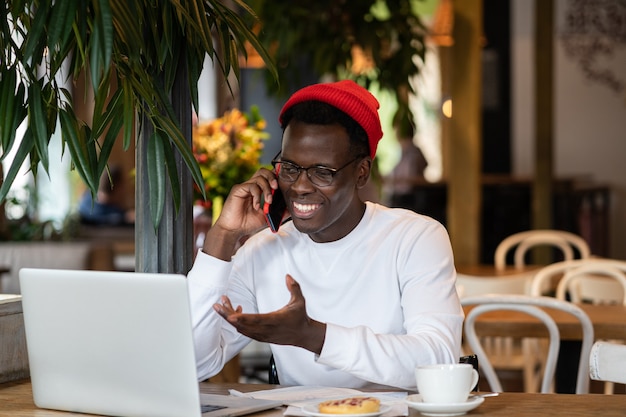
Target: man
point(410, 167)
point(349, 294)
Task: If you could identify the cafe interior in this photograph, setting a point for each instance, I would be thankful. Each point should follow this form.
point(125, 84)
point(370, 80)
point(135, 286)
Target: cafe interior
point(519, 111)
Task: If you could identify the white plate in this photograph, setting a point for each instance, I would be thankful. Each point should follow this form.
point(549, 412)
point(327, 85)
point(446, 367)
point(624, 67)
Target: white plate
point(312, 410)
point(442, 410)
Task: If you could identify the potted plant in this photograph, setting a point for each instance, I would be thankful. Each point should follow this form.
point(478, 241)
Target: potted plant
point(152, 50)
point(143, 46)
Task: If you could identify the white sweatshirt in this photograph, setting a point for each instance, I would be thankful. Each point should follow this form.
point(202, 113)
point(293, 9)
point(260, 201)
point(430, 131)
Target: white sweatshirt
point(386, 291)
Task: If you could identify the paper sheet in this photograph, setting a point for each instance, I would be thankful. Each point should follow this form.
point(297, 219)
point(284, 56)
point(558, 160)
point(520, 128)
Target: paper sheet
point(297, 397)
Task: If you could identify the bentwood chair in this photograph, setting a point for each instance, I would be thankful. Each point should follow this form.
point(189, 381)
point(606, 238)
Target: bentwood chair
point(592, 280)
point(588, 282)
point(570, 244)
point(607, 362)
point(530, 305)
point(597, 282)
point(505, 353)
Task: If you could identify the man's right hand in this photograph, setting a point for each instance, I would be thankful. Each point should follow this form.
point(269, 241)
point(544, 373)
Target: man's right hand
point(242, 214)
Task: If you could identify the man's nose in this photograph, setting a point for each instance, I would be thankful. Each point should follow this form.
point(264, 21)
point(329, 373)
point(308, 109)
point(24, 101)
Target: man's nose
point(303, 182)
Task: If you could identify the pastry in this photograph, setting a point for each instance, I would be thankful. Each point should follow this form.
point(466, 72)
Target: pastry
point(352, 405)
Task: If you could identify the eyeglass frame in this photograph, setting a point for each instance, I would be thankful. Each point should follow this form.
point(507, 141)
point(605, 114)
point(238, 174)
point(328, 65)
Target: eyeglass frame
point(333, 171)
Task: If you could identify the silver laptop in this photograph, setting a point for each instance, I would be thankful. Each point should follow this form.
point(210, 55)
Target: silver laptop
point(116, 343)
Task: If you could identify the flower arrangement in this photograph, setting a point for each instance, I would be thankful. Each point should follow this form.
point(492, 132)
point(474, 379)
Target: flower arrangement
point(228, 150)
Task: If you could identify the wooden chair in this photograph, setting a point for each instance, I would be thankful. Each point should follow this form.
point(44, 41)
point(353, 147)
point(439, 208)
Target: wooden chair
point(607, 362)
point(505, 353)
point(521, 242)
point(530, 305)
point(587, 282)
point(592, 280)
point(595, 275)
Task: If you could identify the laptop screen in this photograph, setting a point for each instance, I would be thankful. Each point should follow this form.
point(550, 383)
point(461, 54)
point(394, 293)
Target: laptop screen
point(113, 343)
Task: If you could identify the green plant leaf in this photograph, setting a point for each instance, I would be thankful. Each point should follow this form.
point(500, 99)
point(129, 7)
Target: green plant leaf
point(20, 156)
point(36, 37)
point(19, 114)
point(156, 176)
point(128, 113)
point(37, 122)
point(74, 136)
point(60, 23)
point(242, 33)
point(194, 67)
point(106, 24)
point(108, 141)
point(172, 170)
point(170, 129)
point(171, 70)
point(8, 105)
point(196, 17)
point(126, 27)
point(78, 56)
point(102, 40)
point(101, 117)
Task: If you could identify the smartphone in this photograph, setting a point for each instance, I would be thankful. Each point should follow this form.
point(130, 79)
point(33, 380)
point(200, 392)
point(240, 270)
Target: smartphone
point(274, 212)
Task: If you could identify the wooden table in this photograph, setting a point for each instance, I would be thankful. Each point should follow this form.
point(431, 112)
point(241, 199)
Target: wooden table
point(490, 271)
point(609, 322)
point(13, 356)
point(16, 401)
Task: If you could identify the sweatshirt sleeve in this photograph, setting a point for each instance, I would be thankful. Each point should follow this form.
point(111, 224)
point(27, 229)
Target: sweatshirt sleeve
point(207, 281)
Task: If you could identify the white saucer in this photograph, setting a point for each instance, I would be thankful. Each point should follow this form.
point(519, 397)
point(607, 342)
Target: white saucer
point(443, 410)
point(312, 410)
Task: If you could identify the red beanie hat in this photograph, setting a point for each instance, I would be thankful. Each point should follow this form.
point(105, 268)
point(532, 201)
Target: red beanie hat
point(349, 97)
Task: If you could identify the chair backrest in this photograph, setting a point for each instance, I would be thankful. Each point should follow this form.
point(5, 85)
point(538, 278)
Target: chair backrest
point(589, 284)
point(523, 241)
point(607, 362)
point(574, 279)
point(504, 352)
point(530, 305)
point(471, 285)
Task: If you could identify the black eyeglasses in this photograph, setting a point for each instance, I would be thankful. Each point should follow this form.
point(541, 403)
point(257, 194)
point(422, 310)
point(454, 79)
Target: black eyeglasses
point(318, 174)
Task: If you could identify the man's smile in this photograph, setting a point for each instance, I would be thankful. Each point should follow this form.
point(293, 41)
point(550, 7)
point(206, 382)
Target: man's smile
point(304, 210)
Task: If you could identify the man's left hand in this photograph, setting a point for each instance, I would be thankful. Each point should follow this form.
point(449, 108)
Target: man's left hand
point(288, 326)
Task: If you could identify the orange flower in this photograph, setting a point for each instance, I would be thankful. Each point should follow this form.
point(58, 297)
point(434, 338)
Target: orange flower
point(228, 150)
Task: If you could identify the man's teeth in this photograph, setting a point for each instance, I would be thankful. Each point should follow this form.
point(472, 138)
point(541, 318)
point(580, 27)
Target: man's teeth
point(305, 207)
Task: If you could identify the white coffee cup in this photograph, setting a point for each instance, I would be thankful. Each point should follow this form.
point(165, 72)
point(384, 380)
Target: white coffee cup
point(445, 384)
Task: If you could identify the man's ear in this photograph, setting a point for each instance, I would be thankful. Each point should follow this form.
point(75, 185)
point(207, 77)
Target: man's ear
point(363, 171)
